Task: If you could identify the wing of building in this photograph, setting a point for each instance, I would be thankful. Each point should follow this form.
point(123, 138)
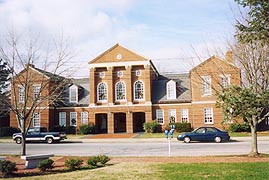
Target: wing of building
point(125, 90)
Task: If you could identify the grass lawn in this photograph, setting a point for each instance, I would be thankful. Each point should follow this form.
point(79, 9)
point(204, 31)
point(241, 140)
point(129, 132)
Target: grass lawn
point(160, 171)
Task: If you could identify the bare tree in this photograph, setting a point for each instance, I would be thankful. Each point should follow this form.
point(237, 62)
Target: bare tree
point(33, 90)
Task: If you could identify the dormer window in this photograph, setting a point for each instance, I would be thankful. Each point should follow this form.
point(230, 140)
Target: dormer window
point(171, 89)
point(73, 94)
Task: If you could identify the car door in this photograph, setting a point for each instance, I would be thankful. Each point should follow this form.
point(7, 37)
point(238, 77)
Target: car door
point(210, 134)
point(199, 134)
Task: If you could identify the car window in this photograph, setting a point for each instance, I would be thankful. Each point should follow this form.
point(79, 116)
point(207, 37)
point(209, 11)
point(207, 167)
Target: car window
point(200, 130)
point(209, 130)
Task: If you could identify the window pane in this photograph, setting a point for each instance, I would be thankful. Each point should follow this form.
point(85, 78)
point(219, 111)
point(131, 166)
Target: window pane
point(36, 91)
point(21, 93)
point(139, 90)
point(102, 92)
point(73, 94)
point(36, 120)
point(208, 116)
point(73, 119)
point(184, 115)
point(62, 118)
point(120, 91)
point(84, 117)
point(159, 116)
point(206, 85)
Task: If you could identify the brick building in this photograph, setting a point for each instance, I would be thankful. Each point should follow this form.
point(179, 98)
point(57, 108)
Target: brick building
point(125, 90)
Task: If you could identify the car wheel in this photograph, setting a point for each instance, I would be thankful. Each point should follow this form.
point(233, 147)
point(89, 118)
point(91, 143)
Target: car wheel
point(217, 139)
point(49, 140)
point(187, 139)
point(18, 140)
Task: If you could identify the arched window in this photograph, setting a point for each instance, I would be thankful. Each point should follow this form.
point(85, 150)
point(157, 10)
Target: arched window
point(171, 89)
point(120, 91)
point(102, 92)
point(138, 90)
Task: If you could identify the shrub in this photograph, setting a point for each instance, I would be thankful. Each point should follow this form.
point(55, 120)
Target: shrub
point(95, 160)
point(92, 161)
point(8, 131)
point(45, 165)
point(183, 127)
point(70, 129)
point(103, 159)
point(7, 167)
point(87, 129)
point(244, 127)
point(152, 127)
point(73, 164)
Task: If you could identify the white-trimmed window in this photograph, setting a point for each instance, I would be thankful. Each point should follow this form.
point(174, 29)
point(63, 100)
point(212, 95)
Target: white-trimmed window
point(138, 90)
point(171, 89)
point(36, 91)
point(159, 116)
point(73, 118)
point(206, 86)
point(62, 118)
point(36, 120)
point(84, 117)
point(172, 115)
point(120, 91)
point(102, 92)
point(208, 116)
point(21, 91)
point(225, 80)
point(184, 115)
point(73, 94)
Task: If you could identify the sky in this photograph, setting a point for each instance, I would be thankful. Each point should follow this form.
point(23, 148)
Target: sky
point(172, 33)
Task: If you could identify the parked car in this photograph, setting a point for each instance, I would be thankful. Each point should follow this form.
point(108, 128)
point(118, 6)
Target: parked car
point(205, 134)
point(39, 134)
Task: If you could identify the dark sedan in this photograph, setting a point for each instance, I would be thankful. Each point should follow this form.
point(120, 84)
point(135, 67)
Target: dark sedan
point(205, 134)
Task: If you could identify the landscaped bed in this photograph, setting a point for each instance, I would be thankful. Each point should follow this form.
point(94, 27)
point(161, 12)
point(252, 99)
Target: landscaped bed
point(137, 163)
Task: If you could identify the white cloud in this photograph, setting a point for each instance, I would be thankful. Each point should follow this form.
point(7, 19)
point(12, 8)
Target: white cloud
point(155, 29)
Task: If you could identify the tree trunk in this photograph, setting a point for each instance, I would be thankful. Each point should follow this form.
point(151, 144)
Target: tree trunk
point(253, 127)
point(23, 145)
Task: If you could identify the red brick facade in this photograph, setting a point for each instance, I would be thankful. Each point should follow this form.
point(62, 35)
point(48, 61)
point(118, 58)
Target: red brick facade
point(123, 92)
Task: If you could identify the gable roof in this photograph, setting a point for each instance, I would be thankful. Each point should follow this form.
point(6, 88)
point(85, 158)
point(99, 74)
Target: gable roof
point(110, 55)
point(214, 58)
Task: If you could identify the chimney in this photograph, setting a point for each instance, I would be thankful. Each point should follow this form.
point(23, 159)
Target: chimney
point(229, 57)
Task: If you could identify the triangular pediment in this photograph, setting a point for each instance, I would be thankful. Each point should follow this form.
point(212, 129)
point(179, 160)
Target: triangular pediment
point(118, 53)
point(215, 63)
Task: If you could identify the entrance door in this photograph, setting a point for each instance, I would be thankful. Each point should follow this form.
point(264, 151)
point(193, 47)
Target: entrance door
point(138, 121)
point(119, 122)
point(101, 123)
